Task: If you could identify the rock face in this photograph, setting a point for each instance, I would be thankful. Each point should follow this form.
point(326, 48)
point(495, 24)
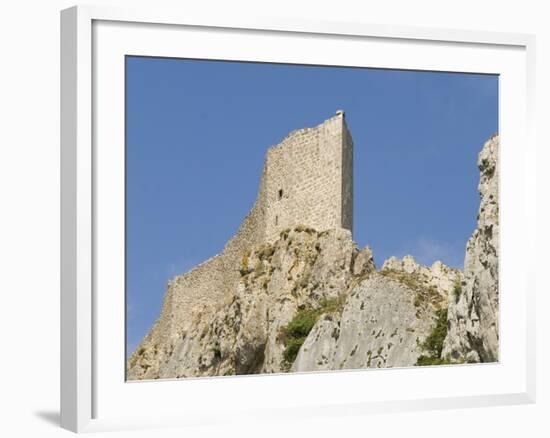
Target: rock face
point(307, 178)
point(302, 269)
point(473, 314)
point(362, 318)
point(437, 276)
point(295, 298)
point(384, 321)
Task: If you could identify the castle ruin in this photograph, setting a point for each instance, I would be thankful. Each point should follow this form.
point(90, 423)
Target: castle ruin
point(307, 179)
point(291, 292)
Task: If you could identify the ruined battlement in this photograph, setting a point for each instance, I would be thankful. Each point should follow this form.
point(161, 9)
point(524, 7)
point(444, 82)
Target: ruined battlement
point(307, 179)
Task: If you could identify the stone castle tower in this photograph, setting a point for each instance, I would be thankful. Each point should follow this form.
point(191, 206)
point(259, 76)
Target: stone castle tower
point(307, 180)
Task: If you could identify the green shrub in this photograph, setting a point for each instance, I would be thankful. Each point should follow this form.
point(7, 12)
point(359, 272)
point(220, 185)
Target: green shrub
point(434, 342)
point(457, 290)
point(292, 348)
point(302, 323)
point(294, 334)
point(433, 345)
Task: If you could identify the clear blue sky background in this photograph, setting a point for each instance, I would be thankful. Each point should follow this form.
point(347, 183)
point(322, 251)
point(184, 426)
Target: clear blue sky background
point(197, 133)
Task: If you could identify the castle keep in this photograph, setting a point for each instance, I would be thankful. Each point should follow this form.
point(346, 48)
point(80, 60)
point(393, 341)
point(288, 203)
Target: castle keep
point(307, 179)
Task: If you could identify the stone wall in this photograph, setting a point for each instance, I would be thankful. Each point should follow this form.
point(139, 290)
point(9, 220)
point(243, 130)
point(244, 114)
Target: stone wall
point(347, 179)
point(188, 297)
point(306, 180)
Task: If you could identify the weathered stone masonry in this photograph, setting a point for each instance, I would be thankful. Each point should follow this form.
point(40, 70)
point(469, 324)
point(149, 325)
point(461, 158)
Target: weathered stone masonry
point(307, 179)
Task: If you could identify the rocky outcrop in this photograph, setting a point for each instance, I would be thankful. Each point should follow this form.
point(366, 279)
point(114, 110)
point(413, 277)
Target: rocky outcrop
point(384, 322)
point(301, 270)
point(320, 286)
point(310, 300)
point(378, 327)
point(438, 276)
point(473, 334)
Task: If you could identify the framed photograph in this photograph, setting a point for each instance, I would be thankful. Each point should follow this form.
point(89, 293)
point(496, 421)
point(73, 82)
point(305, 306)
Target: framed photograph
point(285, 218)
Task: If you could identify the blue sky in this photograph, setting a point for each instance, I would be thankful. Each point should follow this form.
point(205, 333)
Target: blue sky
point(197, 133)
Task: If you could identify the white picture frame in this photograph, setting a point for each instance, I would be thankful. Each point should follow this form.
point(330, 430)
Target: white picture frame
point(93, 39)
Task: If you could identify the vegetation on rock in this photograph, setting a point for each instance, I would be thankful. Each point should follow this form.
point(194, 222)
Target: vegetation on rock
point(457, 290)
point(425, 295)
point(433, 345)
point(296, 331)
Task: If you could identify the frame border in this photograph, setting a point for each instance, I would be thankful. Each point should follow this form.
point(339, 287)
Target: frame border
point(77, 197)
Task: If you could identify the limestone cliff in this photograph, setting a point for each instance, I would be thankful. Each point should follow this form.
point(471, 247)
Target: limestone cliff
point(385, 320)
point(473, 314)
point(301, 270)
point(308, 299)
